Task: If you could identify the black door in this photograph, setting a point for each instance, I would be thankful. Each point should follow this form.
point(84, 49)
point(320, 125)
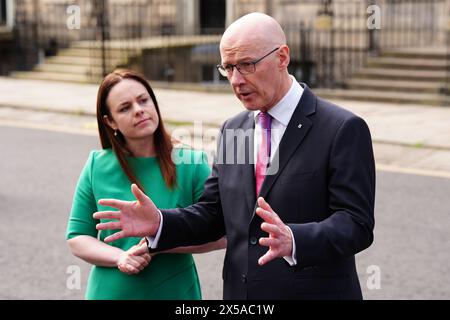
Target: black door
point(212, 16)
point(2, 12)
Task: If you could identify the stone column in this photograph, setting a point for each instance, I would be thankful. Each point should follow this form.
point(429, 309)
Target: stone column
point(10, 13)
point(189, 16)
point(269, 7)
point(230, 12)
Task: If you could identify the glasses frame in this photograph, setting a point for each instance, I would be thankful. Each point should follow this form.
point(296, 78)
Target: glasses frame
point(224, 72)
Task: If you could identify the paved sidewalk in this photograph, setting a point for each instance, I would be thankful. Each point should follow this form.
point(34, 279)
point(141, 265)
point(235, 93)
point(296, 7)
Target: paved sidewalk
point(404, 135)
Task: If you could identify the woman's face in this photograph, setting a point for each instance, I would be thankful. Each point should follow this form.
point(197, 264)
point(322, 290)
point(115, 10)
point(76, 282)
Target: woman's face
point(132, 110)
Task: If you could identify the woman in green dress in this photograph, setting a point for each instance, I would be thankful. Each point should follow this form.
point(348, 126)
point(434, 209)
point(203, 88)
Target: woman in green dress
point(136, 150)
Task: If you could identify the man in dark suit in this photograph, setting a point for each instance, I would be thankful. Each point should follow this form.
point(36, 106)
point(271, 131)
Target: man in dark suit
point(292, 186)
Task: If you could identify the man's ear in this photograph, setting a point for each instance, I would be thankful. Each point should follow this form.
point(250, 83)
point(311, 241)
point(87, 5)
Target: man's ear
point(284, 55)
point(109, 122)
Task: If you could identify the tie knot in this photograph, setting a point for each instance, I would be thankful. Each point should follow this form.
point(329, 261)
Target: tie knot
point(265, 120)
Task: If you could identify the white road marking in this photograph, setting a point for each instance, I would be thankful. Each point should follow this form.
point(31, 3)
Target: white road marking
point(414, 171)
point(48, 127)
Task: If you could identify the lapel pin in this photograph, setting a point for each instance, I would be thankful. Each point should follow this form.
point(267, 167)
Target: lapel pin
point(299, 126)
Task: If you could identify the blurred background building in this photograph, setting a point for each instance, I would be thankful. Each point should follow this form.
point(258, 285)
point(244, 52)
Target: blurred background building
point(357, 48)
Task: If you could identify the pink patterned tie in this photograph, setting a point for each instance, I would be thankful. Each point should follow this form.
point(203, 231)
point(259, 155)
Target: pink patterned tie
point(263, 158)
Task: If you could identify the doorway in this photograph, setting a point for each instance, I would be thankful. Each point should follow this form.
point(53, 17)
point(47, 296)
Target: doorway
point(3, 17)
point(212, 16)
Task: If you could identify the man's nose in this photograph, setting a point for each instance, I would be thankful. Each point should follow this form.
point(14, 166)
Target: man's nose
point(236, 78)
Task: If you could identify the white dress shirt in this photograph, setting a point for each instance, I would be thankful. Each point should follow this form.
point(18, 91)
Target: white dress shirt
point(281, 114)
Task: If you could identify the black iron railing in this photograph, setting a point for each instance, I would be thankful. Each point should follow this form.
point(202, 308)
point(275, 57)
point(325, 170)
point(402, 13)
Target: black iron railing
point(329, 47)
point(113, 32)
point(329, 39)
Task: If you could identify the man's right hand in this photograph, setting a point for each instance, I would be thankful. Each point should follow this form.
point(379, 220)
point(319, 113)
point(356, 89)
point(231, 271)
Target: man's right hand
point(135, 218)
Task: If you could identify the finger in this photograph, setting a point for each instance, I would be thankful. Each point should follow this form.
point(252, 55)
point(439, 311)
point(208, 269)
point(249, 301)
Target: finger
point(137, 261)
point(122, 268)
point(112, 225)
point(139, 195)
point(147, 258)
point(269, 256)
point(142, 243)
point(262, 203)
point(115, 236)
point(270, 228)
point(107, 215)
point(268, 242)
point(132, 262)
point(267, 216)
point(143, 249)
point(145, 255)
point(113, 203)
point(142, 264)
point(131, 269)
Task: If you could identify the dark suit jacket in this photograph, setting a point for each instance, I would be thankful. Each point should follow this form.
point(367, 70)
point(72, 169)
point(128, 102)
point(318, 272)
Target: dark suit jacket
point(323, 188)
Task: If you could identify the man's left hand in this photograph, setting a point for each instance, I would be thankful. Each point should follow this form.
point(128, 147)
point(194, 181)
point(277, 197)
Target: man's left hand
point(279, 240)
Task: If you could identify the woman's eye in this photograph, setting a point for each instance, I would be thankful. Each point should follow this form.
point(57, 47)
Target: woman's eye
point(123, 109)
point(144, 100)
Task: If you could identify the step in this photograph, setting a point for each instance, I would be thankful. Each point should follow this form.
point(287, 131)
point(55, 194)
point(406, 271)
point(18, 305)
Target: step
point(53, 76)
point(426, 52)
point(92, 53)
point(408, 63)
point(82, 61)
point(402, 74)
point(390, 97)
point(155, 42)
point(67, 68)
point(114, 45)
point(394, 85)
point(73, 60)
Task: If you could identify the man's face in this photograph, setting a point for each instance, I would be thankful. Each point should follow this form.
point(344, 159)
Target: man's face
point(258, 90)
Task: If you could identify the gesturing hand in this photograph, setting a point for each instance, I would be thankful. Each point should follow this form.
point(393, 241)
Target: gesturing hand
point(279, 240)
point(135, 218)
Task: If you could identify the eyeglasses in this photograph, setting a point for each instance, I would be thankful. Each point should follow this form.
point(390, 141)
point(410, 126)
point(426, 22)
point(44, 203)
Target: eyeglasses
point(243, 67)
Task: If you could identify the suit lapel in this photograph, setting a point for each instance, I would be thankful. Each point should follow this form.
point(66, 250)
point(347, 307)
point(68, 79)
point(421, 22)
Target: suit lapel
point(247, 169)
point(296, 131)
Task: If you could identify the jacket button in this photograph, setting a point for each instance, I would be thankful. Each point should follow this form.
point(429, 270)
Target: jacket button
point(253, 240)
point(244, 278)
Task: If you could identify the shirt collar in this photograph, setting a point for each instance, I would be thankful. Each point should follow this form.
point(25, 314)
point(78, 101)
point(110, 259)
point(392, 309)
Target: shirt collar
point(283, 110)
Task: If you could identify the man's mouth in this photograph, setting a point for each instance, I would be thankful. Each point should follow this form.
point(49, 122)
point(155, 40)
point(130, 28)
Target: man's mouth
point(245, 94)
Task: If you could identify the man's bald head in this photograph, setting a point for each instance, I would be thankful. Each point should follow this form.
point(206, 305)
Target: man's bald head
point(256, 30)
point(255, 58)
